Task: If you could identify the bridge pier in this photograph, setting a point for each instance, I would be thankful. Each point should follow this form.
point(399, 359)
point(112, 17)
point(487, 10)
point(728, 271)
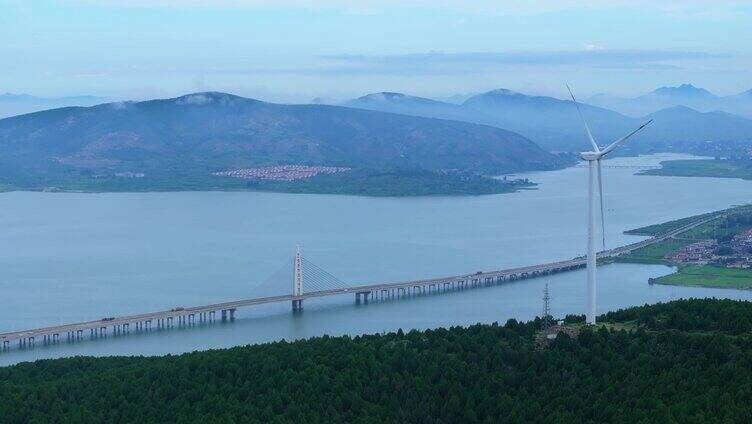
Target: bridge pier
point(362, 297)
point(297, 305)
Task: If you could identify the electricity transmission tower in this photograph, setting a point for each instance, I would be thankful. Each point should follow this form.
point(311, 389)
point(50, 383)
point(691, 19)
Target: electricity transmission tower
point(546, 309)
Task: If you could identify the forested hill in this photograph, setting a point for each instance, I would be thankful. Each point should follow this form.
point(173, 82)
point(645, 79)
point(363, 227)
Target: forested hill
point(189, 137)
point(687, 361)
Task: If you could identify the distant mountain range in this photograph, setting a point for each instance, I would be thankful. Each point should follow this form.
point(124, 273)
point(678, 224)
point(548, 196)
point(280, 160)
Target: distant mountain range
point(554, 125)
point(200, 133)
point(189, 137)
point(683, 95)
point(18, 104)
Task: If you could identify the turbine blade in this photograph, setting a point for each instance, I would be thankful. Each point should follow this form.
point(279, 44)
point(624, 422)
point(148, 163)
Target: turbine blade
point(620, 141)
point(600, 196)
point(587, 128)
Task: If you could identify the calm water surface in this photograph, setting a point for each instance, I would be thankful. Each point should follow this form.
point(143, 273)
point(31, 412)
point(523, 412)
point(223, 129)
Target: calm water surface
point(69, 257)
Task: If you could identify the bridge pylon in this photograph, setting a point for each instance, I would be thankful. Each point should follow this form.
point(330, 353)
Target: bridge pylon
point(297, 281)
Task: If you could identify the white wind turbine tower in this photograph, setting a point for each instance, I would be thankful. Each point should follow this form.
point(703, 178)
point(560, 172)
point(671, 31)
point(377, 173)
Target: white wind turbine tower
point(594, 166)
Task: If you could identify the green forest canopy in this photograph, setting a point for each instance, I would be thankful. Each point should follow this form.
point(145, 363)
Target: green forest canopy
point(687, 361)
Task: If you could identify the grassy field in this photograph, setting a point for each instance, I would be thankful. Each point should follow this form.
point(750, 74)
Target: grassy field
point(703, 168)
point(654, 254)
point(654, 230)
point(709, 276)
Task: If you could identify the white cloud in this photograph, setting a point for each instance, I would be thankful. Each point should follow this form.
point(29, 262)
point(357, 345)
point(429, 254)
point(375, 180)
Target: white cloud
point(120, 105)
point(440, 63)
point(721, 9)
point(194, 99)
point(593, 47)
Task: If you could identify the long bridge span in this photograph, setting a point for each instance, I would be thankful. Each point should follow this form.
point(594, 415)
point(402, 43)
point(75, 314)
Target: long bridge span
point(320, 284)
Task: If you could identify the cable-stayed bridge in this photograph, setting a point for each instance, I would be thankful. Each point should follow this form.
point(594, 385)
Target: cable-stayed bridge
point(304, 280)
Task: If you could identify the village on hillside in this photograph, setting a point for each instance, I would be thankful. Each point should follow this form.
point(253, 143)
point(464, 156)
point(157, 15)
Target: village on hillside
point(730, 252)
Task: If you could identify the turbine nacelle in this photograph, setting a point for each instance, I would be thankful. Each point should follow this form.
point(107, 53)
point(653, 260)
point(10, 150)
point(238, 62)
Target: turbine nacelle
point(591, 155)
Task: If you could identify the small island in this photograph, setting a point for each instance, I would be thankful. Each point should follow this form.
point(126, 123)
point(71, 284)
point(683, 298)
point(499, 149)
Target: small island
point(716, 168)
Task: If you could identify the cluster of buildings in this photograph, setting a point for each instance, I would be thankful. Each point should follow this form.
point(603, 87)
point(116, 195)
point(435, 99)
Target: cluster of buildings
point(700, 253)
point(281, 172)
point(127, 174)
point(741, 246)
point(734, 253)
point(130, 174)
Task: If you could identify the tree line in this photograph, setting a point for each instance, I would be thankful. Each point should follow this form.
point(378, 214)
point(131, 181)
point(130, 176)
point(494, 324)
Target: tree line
point(687, 361)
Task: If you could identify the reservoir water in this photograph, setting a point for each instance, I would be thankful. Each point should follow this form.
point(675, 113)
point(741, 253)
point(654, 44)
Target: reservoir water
point(67, 257)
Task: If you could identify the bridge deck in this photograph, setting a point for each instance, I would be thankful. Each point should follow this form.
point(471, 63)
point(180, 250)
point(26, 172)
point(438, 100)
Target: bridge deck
point(479, 277)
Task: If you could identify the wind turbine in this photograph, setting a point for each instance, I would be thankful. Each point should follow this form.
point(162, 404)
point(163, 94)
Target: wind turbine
point(593, 159)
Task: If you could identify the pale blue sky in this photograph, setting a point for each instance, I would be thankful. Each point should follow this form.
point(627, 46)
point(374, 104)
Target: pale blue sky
point(289, 50)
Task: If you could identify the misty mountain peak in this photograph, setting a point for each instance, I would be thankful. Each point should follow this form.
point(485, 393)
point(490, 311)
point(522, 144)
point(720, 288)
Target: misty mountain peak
point(679, 110)
point(14, 96)
point(203, 98)
point(503, 92)
point(383, 99)
point(384, 96)
point(684, 90)
point(498, 96)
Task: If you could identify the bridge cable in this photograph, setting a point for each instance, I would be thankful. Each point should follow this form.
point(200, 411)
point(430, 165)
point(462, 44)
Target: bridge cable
point(319, 279)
